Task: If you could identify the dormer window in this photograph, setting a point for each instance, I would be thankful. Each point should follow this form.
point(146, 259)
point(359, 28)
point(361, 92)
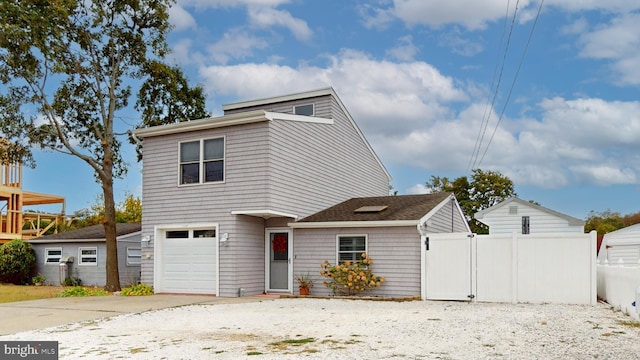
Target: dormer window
point(306, 109)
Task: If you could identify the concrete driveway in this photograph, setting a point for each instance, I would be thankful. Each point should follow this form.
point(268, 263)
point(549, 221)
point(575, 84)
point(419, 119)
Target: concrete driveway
point(43, 313)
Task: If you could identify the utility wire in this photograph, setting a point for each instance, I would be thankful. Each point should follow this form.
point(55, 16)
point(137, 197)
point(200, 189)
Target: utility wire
point(515, 78)
point(490, 102)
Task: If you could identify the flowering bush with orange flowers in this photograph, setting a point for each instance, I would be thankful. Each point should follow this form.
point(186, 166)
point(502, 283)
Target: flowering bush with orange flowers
point(350, 278)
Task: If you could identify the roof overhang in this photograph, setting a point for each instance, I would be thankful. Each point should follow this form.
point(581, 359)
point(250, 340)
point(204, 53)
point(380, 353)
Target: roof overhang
point(33, 198)
point(352, 224)
point(265, 214)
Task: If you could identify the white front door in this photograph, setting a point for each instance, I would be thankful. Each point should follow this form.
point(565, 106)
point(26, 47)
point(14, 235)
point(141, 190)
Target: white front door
point(279, 264)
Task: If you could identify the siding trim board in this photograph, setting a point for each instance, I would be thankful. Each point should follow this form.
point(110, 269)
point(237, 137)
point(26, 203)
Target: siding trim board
point(266, 214)
point(352, 224)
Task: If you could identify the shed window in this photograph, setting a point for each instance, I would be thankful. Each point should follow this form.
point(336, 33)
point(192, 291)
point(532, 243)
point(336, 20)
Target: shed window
point(202, 161)
point(88, 256)
point(52, 255)
point(525, 225)
point(307, 110)
point(350, 247)
point(134, 256)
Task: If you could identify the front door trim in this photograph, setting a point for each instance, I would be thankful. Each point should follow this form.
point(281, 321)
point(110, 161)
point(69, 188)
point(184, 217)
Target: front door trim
point(267, 260)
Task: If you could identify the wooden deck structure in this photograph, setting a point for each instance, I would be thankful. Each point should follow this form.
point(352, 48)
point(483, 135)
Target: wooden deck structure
point(14, 222)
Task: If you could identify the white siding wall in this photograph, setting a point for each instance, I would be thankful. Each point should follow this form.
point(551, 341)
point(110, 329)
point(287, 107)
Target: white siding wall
point(447, 220)
point(395, 252)
point(500, 221)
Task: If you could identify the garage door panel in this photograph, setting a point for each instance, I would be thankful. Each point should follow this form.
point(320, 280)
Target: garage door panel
point(188, 265)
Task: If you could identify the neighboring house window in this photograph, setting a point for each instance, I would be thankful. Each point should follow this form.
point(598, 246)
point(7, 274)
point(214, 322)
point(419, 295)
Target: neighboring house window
point(134, 256)
point(202, 161)
point(525, 225)
point(52, 255)
point(88, 256)
point(350, 247)
point(307, 109)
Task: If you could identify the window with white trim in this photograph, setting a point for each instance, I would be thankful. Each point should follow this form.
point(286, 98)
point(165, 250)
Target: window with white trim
point(202, 161)
point(350, 247)
point(306, 109)
point(52, 255)
point(88, 256)
point(134, 256)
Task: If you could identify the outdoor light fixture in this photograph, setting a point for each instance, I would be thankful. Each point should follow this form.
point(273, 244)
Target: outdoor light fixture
point(224, 238)
point(146, 240)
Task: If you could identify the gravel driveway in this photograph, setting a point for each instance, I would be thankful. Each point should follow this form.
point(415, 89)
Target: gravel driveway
point(353, 329)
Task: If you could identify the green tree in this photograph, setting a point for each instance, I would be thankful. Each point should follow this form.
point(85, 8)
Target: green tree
point(128, 211)
point(17, 261)
point(67, 67)
point(482, 190)
point(165, 97)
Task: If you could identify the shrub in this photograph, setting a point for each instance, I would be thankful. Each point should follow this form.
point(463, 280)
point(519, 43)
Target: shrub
point(72, 281)
point(137, 290)
point(79, 291)
point(17, 261)
point(350, 278)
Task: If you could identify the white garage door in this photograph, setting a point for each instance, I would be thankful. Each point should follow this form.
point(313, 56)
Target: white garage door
point(187, 262)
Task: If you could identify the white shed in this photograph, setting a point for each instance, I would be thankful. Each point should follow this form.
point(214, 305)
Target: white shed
point(523, 217)
point(623, 244)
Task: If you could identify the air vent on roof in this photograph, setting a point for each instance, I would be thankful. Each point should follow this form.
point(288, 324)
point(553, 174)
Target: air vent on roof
point(370, 209)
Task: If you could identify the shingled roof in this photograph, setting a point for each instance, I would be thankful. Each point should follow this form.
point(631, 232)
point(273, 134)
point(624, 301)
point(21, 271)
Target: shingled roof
point(93, 232)
point(381, 208)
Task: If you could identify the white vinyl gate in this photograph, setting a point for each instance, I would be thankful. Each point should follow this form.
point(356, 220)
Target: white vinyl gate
point(537, 268)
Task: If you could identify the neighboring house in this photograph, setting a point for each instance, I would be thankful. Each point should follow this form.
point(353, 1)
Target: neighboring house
point(85, 253)
point(621, 245)
point(523, 217)
point(390, 229)
point(217, 191)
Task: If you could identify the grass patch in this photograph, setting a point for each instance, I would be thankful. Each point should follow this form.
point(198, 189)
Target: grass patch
point(254, 353)
point(80, 291)
point(630, 323)
point(13, 293)
point(294, 342)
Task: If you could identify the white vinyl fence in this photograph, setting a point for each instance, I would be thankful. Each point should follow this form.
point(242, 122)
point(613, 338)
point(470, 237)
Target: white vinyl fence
point(536, 268)
point(618, 284)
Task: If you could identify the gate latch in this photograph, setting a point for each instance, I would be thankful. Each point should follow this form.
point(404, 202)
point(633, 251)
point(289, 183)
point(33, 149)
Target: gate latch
point(426, 243)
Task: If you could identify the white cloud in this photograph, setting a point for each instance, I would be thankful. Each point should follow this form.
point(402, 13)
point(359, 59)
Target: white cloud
point(405, 50)
point(473, 15)
point(417, 189)
point(618, 41)
point(181, 19)
point(265, 17)
point(235, 44)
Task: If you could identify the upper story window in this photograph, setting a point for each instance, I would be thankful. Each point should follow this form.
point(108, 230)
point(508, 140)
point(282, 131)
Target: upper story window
point(202, 161)
point(350, 247)
point(306, 109)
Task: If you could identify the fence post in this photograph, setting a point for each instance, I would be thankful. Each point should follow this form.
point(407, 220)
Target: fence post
point(514, 267)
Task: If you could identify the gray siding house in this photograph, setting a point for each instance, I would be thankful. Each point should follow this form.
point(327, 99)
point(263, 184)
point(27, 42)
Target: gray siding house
point(522, 217)
point(390, 229)
point(86, 252)
point(218, 192)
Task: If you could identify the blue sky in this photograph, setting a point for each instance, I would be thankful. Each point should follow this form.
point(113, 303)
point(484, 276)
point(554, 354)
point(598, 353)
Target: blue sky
point(419, 76)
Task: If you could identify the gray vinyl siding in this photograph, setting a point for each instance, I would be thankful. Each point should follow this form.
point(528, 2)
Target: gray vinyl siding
point(322, 106)
point(395, 252)
point(91, 275)
point(447, 220)
point(291, 167)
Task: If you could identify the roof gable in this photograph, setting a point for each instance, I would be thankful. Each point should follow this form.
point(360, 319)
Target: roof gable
point(392, 208)
point(571, 220)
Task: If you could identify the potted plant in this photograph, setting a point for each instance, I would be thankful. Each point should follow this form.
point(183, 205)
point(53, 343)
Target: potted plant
point(304, 283)
point(38, 280)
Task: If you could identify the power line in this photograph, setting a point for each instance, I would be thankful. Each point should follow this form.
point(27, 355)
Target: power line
point(490, 102)
point(515, 78)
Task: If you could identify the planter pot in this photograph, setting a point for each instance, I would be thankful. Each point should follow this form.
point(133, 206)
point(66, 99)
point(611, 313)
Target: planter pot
point(38, 284)
point(304, 291)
